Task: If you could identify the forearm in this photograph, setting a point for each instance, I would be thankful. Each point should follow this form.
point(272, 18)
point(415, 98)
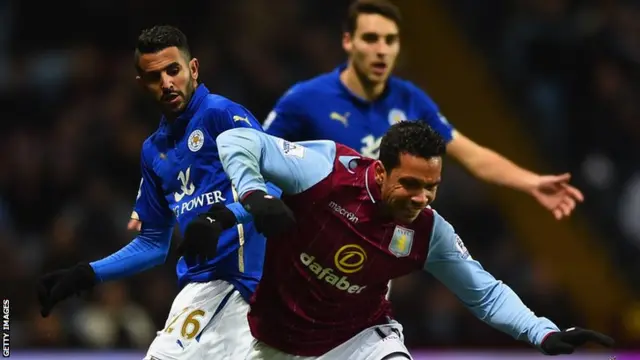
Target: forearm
point(147, 250)
point(495, 168)
point(504, 311)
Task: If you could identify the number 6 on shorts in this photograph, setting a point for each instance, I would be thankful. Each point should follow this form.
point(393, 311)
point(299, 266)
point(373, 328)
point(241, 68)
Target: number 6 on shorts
point(190, 326)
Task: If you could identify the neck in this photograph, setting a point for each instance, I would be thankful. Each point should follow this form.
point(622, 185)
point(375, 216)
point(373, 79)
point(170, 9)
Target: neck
point(359, 85)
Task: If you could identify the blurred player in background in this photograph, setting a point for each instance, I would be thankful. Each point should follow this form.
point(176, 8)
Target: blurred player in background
point(182, 177)
point(360, 223)
point(357, 102)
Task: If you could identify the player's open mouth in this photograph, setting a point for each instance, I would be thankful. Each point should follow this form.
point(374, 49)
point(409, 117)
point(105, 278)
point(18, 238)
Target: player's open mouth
point(379, 68)
point(171, 98)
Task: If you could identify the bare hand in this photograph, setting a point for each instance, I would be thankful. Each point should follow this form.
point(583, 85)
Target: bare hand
point(134, 225)
point(556, 195)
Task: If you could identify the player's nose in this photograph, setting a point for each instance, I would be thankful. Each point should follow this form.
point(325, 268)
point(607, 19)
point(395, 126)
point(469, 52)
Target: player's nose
point(420, 200)
point(167, 82)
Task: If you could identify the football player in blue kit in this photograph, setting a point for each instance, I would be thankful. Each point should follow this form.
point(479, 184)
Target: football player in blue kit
point(182, 179)
point(357, 103)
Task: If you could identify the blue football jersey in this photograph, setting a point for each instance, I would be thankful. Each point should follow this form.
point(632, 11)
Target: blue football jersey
point(324, 108)
point(182, 176)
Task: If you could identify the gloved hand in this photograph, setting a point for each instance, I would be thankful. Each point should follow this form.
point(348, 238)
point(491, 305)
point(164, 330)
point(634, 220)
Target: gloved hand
point(202, 234)
point(270, 215)
point(61, 284)
point(566, 342)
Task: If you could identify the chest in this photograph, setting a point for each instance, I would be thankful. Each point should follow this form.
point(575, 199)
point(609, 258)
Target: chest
point(358, 125)
point(342, 233)
point(188, 166)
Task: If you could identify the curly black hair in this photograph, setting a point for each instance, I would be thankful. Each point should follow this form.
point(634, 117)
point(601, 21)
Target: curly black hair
point(410, 137)
point(160, 37)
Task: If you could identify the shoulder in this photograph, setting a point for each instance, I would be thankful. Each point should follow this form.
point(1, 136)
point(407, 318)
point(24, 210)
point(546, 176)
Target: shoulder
point(408, 88)
point(218, 113)
point(218, 105)
point(306, 91)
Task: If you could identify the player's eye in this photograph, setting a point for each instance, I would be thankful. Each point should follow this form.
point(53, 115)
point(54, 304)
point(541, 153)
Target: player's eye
point(173, 70)
point(410, 184)
point(391, 39)
point(370, 38)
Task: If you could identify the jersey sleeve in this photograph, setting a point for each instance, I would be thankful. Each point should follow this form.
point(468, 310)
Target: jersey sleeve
point(287, 119)
point(250, 158)
point(150, 248)
point(430, 113)
point(151, 207)
point(488, 299)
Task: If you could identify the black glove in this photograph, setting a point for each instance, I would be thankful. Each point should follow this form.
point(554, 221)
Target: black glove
point(201, 235)
point(270, 215)
point(61, 284)
point(566, 342)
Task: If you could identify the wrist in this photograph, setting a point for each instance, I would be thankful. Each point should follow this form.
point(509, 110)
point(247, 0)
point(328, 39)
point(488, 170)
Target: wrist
point(87, 275)
point(251, 194)
point(531, 184)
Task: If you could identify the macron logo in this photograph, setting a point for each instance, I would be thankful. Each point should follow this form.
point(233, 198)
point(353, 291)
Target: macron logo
point(349, 162)
point(344, 212)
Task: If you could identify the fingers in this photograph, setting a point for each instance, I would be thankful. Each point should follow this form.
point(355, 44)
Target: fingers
point(563, 178)
point(582, 336)
point(566, 206)
point(563, 348)
point(573, 192)
point(596, 337)
point(557, 214)
point(134, 225)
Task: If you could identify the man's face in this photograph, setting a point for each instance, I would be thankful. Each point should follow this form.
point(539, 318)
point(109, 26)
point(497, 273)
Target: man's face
point(408, 188)
point(169, 78)
point(373, 47)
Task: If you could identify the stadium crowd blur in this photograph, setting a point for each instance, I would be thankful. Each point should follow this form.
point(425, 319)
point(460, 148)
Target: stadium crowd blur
point(73, 123)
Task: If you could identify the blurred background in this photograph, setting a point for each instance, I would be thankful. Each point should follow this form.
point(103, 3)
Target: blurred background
point(552, 84)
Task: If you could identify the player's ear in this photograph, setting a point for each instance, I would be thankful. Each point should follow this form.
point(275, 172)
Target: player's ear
point(140, 82)
point(347, 42)
point(380, 172)
point(194, 66)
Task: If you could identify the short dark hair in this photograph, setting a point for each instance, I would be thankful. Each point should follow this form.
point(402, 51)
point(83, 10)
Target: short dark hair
point(160, 37)
point(381, 7)
point(410, 137)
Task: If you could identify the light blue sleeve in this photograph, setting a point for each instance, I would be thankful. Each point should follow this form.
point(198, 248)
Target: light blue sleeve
point(488, 299)
point(251, 157)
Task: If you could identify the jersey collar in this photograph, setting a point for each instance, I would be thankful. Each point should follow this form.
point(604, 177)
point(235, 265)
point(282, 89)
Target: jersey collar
point(180, 123)
point(373, 189)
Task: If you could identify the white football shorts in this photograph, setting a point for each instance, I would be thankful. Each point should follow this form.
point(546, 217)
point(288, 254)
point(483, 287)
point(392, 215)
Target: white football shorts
point(206, 321)
point(382, 342)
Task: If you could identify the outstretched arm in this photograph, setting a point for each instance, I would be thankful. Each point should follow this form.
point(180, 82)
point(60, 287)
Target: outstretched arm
point(553, 192)
point(487, 298)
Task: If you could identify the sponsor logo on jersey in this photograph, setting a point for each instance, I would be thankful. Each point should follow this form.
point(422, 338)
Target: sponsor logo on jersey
point(343, 212)
point(348, 259)
point(187, 188)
